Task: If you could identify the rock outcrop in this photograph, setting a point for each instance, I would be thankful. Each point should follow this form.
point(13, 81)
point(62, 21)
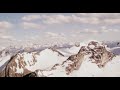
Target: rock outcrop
point(76, 60)
point(100, 55)
point(15, 67)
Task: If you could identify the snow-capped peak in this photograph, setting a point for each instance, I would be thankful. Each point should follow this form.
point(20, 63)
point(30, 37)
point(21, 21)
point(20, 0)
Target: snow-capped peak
point(87, 58)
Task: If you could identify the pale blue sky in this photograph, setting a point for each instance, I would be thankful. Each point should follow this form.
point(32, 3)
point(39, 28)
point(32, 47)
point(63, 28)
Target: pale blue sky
point(38, 27)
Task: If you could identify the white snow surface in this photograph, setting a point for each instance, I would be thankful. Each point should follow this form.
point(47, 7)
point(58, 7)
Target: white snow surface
point(48, 58)
point(88, 69)
point(3, 60)
point(43, 60)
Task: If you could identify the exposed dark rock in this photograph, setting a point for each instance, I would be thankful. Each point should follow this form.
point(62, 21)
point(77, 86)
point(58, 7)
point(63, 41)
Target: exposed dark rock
point(33, 74)
point(100, 54)
point(118, 43)
point(77, 60)
point(11, 67)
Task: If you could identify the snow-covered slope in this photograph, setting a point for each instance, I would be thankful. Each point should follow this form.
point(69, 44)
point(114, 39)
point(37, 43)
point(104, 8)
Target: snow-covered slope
point(24, 62)
point(88, 59)
point(4, 58)
point(116, 50)
point(87, 68)
point(45, 59)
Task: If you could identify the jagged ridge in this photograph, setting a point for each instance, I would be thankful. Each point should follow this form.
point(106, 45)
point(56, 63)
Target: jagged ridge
point(51, 61)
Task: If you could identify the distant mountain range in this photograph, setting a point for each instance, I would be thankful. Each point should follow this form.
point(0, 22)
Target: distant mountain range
point(91, 58)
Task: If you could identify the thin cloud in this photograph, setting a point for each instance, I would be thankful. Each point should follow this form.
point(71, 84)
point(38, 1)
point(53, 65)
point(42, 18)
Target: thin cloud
point(30, 25)
point(94, 19)
point(55, 35)
point(31, 17)
point(7, 37)
point(85, 18)
point(112, 21)
point(94, 31)
point(55, 38)
point(5, 25)
point(56, 19)
point(99, 15)
point(61, 19)
point(51, 34)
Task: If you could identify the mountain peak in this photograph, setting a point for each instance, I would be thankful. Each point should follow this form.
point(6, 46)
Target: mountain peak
point(56, 61)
